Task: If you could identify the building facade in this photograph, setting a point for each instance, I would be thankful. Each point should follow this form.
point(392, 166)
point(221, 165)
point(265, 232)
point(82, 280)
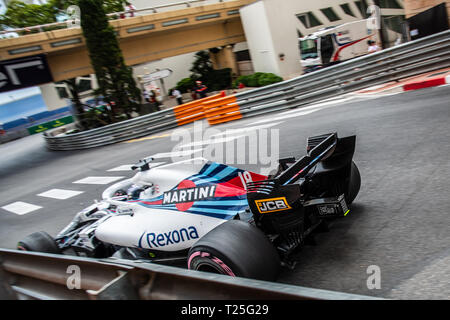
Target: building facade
point(272, 29)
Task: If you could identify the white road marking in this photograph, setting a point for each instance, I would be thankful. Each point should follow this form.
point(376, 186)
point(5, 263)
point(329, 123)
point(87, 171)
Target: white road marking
point(303, 110)
point(369, 96)
point(242, 131)
point(374, 87)
point(60, 194)
point(127, 167)
point(98, 180)
point(210, 141)
point(175, 154)
point(319, 106)
point(286, 116)
point(227, 135)
point(21, 208)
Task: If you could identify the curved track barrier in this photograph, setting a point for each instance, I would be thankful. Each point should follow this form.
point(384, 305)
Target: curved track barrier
point(222, 110)
point(403, 61)
point(192, 111)
point(113, 133)
point(42, 276)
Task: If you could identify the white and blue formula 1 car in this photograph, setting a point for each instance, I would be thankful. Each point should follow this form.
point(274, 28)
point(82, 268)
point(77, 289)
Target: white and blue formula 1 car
point(216, 217)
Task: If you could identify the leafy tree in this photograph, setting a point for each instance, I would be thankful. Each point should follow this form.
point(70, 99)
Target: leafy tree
point(21, 15)
point(185, 84)
point(115, 79)
point(85, 120)
point(258, 79)
point(202, 67)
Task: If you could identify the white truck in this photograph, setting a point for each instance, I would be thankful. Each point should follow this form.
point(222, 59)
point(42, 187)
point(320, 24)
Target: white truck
point(335, 44)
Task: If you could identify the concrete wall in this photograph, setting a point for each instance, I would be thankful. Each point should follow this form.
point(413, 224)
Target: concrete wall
point(259, 37)
point(51, 97)
point(283, 25)
point(180, 65)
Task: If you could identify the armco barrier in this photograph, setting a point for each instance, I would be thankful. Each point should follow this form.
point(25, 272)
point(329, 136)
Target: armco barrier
point(406, 60)
point(117, 132)
point(42, 276)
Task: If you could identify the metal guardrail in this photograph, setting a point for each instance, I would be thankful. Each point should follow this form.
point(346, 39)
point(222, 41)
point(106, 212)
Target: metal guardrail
point(113, 133)
point(42, 276)
point(116, 15)
point(13, 135)
point(406, 60)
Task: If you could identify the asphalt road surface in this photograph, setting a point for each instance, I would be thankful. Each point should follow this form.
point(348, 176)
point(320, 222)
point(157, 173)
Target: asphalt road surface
point(399, 222)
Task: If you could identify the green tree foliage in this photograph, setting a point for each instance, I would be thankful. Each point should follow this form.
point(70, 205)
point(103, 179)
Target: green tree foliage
point(185, 84)
point(20, 14)
point(94, 117)
point(258, 79)
point(202, 69)
point(114, 77)
point(268, 78)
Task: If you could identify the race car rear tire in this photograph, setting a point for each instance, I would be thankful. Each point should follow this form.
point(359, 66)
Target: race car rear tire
point(39, 242)
point(354, 184)
point(235, 248)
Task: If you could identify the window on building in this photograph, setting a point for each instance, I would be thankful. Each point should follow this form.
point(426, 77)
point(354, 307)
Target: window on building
point(243, 55)
point(326, 48)
point(330, 14)
point(62, 92)
point(309, 20)
point(84, 85)
point(390, 4)
point(362, 6)
point(347, 9)
point(394, 23)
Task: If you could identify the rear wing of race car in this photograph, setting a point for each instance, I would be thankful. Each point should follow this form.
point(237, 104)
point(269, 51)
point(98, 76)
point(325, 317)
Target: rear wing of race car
point(319, 148)
point(330, 157)
point(327, 151)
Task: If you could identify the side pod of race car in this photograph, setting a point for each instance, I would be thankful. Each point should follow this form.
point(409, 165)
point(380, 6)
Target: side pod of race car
point(216, 217)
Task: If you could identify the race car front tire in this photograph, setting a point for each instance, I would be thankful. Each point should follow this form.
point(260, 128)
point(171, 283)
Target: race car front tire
point(39, 242)
point(236, 248)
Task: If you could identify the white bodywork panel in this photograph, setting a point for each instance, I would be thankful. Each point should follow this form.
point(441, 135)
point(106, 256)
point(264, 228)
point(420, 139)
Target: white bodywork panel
point(152, 222)
point(156, 229)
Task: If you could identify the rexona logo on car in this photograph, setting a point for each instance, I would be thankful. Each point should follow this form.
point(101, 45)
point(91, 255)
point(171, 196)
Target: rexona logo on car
point(272, 205)
point(156, 240)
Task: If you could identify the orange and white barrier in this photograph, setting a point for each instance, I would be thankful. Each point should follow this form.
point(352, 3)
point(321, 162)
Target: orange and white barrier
point(221, 110)
point(192, 111)
point(217, 109)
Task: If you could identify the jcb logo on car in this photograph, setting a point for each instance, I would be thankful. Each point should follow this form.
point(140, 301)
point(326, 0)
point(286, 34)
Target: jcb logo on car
point(272, 205)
